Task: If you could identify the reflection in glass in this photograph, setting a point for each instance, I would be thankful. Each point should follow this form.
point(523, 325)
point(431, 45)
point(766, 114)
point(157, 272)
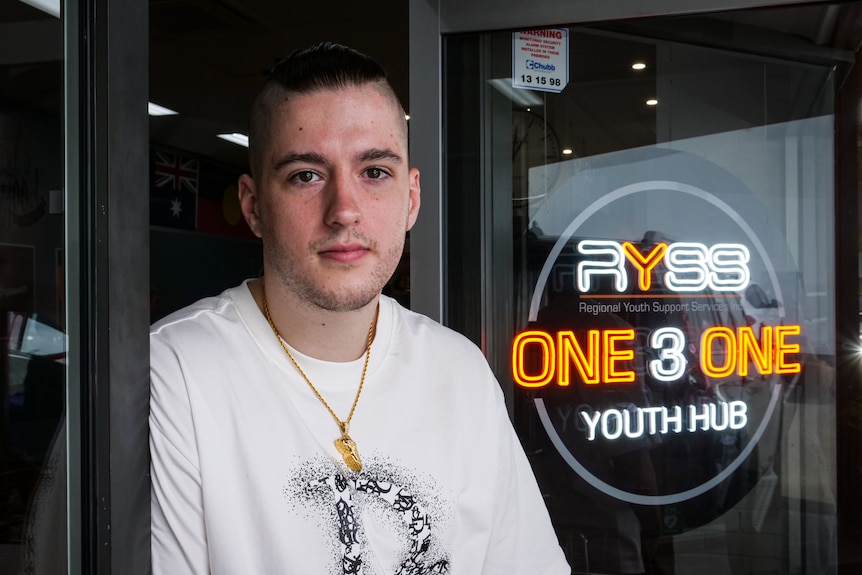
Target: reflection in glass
point(32, 288)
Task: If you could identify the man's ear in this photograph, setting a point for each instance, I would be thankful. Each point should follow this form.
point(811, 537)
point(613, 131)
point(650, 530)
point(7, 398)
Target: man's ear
point(414, 199)
point(249, 202)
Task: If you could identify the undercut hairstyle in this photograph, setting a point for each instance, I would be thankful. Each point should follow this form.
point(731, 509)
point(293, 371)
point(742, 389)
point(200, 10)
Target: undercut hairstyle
point(326, 66)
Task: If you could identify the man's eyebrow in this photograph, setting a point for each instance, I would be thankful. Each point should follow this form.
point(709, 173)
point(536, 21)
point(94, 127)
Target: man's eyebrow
point(299, 157)
point(378, 154)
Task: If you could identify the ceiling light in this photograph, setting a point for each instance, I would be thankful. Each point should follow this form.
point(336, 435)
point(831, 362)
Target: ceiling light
point(652, 102)
point(235, 138)
point(51, 7)
point(156, 110)
point(407, 117)
point(520, 96)
point(639, 66)
point(529, 198)
point(567, 151)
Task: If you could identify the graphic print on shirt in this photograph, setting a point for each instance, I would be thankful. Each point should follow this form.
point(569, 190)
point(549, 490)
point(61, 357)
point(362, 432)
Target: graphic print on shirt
point(348, 498)
point(414, 517)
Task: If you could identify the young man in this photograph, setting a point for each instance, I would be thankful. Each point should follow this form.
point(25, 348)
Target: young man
point(302, 423)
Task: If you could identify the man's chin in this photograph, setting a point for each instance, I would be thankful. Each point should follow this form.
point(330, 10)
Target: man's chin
point(343, 302)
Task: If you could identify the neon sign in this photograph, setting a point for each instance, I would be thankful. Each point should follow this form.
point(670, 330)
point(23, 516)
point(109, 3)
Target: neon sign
point(723, 352)
point(606, 356)
point(670, 293)
point(634, 423)
point(692, 267)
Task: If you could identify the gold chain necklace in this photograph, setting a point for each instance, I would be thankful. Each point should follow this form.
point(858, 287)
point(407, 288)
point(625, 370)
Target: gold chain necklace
point(345, 446)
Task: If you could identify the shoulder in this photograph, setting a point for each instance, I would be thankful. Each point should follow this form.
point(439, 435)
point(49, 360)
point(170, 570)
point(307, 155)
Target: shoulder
point(200, 345)
point(416, 325)
point(203, 315)
point(210, 329)
point(427, 340)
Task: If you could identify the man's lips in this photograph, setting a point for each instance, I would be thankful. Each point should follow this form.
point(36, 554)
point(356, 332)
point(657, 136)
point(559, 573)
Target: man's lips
point(344, 252)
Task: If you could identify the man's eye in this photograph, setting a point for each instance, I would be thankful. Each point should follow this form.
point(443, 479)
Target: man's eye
point(305, 176)
point(374, 173)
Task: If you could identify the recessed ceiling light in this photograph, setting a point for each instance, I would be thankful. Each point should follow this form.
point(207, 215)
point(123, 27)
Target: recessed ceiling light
point(567, 151)
point(638, 66)
point(235, 138)
point(652, 102)
point(156, 110)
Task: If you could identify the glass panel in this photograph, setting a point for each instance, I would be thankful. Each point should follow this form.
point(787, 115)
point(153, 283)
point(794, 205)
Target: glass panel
point(673, 351)
point(32, 305)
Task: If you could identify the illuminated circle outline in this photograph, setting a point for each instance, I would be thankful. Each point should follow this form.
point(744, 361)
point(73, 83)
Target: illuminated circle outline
point(571, 460)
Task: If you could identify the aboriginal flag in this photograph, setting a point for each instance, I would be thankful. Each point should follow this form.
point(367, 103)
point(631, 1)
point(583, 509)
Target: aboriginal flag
point(218, 206)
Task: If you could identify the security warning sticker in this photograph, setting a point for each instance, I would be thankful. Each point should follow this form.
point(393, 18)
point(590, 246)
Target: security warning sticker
point(540, 59)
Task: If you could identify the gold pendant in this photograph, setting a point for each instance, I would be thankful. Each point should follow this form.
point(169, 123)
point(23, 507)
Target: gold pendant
point(347, 448)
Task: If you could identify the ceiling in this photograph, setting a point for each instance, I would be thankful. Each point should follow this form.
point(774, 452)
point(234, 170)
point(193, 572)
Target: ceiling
point(208, 58)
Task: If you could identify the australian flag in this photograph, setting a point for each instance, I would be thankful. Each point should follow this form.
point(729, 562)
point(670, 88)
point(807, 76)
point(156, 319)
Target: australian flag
point(174, 181)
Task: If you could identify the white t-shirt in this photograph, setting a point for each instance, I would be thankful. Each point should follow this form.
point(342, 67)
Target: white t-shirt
point(247, 480)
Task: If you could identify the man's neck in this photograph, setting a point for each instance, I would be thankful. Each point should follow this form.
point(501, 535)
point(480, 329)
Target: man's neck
point(318, 333)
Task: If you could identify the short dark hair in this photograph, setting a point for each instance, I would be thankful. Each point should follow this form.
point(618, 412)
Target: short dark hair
point(325, 66)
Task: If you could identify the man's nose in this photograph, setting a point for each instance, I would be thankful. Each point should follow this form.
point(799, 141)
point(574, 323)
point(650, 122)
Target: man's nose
point(342, 201)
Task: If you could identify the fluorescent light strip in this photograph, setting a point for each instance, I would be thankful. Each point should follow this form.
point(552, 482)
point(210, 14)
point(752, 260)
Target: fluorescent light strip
point(235, 138)
point(156, 110)
point(520, 96)
point(51, 7)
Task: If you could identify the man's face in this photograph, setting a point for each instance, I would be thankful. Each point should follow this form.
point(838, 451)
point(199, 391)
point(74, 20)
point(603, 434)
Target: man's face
point(335, 196)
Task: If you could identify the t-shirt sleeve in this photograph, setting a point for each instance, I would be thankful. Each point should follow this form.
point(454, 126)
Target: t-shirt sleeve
point(522, 541)
point(179, 543)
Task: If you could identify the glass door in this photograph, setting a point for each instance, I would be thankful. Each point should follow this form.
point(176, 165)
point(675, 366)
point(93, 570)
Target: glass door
point(640, 234)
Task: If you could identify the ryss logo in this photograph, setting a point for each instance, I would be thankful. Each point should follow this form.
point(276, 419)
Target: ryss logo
point(692, 267)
